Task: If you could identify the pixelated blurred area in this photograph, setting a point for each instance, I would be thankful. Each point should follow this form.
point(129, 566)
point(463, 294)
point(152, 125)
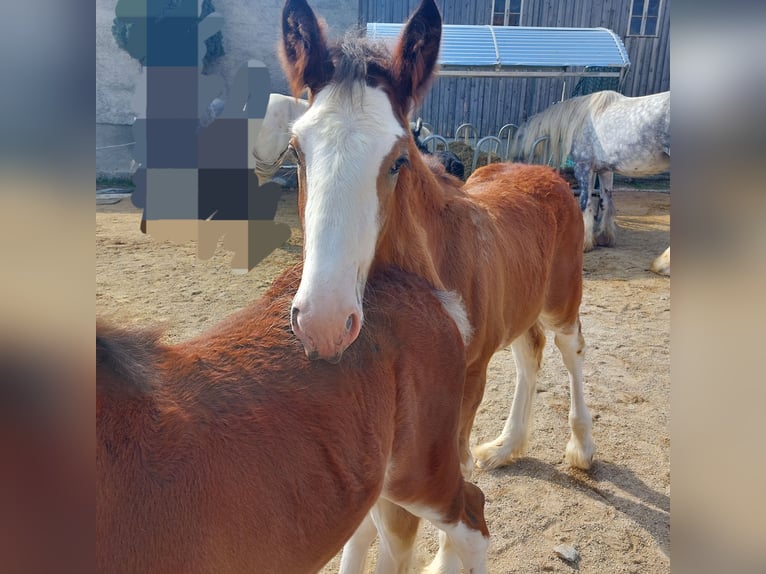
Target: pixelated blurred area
point(194, 179)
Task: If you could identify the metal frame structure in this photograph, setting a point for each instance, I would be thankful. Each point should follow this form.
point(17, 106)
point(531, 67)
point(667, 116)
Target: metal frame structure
point(522, 51)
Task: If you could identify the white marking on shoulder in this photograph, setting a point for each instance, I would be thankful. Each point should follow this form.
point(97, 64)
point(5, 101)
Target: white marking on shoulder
point(455, 308)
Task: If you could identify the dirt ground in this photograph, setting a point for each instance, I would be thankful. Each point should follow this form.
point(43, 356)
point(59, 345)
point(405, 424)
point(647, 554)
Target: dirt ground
point(617, 515)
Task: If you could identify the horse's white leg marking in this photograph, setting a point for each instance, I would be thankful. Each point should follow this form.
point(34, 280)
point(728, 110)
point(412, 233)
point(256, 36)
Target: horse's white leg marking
point(459, 544)
point(606, 228)
point(446, 559)
point(512, 441)
point(661, 265)
point(394, 554)
point(355, 550)
point(580, 449)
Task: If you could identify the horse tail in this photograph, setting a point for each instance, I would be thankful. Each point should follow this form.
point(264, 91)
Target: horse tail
point(125, 359)
point(514, 151)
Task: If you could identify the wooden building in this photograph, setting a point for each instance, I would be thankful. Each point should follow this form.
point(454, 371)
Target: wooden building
point(489, 102)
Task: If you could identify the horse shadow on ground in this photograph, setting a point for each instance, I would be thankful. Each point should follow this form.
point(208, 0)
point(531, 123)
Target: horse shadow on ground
point(651, 510)
point(630, 258)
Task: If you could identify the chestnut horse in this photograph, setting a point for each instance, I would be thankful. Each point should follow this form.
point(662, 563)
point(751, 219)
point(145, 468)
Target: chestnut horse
point(234, 453)
point(509, 240)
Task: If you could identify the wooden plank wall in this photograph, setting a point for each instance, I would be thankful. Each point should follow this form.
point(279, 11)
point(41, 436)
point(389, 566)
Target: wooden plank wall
point(488, 103)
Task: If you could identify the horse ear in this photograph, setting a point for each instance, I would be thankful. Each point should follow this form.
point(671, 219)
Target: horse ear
point(417, 52)
point(304, 54)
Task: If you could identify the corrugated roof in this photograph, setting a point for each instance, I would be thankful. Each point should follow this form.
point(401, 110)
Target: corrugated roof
point(476, 50)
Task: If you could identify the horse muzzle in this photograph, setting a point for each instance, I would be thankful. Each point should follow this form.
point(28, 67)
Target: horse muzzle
point(323, 336)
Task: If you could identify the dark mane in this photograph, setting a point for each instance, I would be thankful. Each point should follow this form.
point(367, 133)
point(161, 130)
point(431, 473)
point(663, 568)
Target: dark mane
point(357, 59)
point(127, 357)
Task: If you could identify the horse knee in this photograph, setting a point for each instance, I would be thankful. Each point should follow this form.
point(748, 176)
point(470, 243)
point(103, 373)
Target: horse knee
point(473, 508)
point(467, 539)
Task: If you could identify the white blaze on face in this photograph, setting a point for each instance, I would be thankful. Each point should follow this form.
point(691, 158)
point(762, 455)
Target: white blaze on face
point(343, 137)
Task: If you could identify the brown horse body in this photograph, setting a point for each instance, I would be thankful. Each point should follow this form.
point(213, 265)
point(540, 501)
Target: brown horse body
point(509, 240)
point(234, 453)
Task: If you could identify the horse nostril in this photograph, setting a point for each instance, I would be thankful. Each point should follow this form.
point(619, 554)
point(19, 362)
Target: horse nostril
point(353, 324)
point(294, 318)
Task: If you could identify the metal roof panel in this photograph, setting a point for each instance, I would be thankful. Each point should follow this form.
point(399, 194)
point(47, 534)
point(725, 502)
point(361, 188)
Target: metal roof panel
point(499, 47)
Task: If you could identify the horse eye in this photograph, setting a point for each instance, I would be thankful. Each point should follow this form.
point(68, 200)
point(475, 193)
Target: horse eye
point(400, 161)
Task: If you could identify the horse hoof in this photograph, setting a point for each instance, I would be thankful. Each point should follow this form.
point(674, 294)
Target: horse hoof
point(579, 456)
point(661, 265)
point(605, 240)
point(495, 454)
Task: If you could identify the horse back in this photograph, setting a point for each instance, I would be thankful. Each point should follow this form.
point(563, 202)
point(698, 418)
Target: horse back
point(631, 136)
point(529, 209)
point(205, 465)
point(524, 234)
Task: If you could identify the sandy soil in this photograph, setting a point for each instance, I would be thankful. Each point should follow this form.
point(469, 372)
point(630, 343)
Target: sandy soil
point(617, 514)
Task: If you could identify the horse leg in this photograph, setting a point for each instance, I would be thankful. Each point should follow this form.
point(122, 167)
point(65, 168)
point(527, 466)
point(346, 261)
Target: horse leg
point(580, 449)
point(661, 265)
point(586, 178)
point(464, 541)
point(606, 228)
point(397, 528)
point(447, 559)
point(473, 393)
point(354, 556)
point(512, 442)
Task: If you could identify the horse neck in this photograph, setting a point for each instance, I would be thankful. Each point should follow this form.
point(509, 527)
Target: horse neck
point(412, 231)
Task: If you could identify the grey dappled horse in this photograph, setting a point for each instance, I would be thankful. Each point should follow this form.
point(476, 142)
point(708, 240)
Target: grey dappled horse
point(603, 132)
